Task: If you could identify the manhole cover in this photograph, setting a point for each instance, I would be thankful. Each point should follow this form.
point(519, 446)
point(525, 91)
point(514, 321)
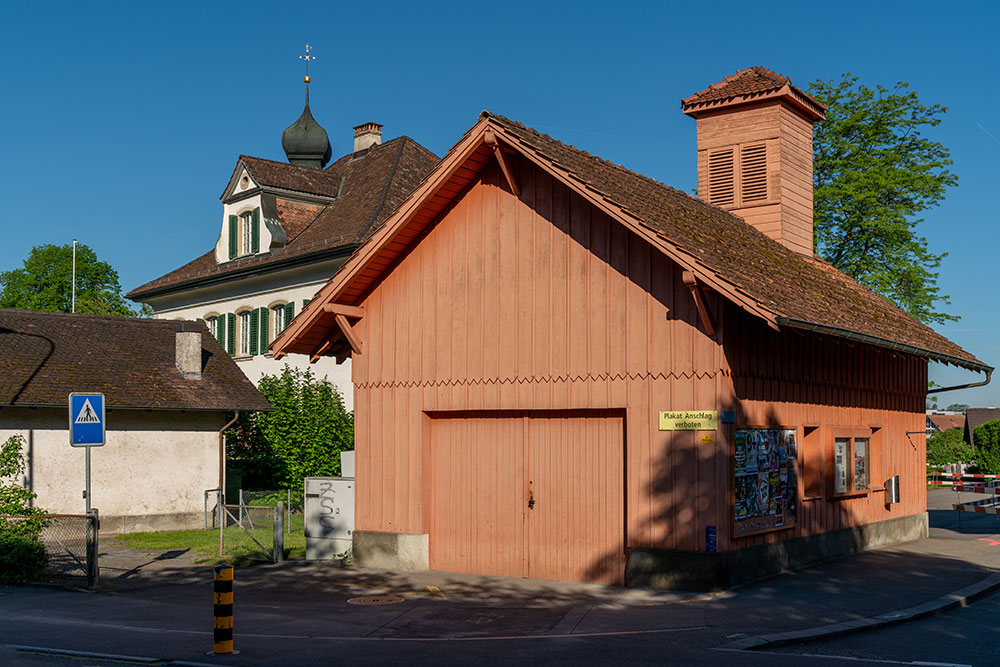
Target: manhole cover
point(376, 599)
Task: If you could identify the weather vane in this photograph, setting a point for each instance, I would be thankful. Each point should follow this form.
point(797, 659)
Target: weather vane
point(307, 58)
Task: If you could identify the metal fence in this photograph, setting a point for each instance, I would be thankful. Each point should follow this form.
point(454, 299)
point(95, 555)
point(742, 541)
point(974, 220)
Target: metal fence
point(255, 532)
point(213, 504)
point(71, 542)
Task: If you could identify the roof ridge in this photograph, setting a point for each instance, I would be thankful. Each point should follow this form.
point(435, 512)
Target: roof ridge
point(617, 166)
point(81, 316)
point(390, 175)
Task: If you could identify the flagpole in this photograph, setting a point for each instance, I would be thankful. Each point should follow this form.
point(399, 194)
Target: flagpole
point(73, 310)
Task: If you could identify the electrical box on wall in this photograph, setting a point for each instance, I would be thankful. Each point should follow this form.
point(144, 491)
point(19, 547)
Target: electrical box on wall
point(329, 516)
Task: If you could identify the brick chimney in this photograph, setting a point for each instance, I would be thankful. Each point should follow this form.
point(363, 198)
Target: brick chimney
point(367, 135)
point(755, 155)
point(187, 349)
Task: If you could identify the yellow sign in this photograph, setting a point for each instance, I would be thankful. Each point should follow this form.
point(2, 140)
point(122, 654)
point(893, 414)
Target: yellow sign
point(707, 439)
point(689, 420)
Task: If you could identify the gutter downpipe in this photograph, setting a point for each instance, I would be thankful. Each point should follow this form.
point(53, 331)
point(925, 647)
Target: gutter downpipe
point(892, 345)
point(222, 473)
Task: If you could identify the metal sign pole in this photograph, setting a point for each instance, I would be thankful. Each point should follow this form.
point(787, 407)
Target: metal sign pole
point(86, 493)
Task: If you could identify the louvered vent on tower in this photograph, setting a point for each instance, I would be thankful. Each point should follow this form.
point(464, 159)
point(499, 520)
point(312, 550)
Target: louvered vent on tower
point(753, 173)
point(722, 177)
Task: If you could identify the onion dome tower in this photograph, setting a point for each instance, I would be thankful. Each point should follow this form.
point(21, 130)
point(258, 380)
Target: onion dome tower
point(305, 141)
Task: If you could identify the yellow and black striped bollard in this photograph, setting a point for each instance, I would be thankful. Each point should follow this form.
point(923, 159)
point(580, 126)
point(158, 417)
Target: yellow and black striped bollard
point(223, 611)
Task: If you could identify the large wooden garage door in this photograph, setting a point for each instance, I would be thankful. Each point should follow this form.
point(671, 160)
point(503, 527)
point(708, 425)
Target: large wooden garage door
point(537, 495)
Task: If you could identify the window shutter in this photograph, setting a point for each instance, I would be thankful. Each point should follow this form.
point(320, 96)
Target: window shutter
point(234, 233)
point(255, 231)
point(753, 173)
point(220, 330)
point(231, 334)
point(254, 330)
point(198, 319)
point(305, 302)
point(289, 312)
point(264, 338)
point(721, 177)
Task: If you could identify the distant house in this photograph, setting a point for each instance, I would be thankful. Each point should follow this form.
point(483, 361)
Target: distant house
point(168, 388)
point(284, 229)
point(938, 421)
point(976, 417)
point(567, 370)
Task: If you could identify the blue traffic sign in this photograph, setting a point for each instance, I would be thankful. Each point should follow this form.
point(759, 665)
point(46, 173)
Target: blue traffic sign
point(86, 420)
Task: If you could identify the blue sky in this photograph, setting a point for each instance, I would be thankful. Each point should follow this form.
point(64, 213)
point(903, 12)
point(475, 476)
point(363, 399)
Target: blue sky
point(122, 121)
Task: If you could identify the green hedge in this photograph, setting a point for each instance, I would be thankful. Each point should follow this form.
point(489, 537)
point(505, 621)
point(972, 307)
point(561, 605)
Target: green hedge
point(22, 558)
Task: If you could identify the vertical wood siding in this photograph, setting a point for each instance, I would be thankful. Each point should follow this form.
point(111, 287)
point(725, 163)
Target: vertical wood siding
point(543, 303)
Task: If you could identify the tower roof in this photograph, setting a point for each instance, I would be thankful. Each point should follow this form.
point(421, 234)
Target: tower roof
point(751, 85)
point(305, 141)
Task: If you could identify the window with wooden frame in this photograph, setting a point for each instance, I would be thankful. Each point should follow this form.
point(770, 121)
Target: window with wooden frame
point(852, 461)
point(244, 233)
point(244, 331)
point(737, 175)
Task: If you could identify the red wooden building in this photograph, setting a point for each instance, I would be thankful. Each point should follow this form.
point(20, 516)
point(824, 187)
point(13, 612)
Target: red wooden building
point(564, 369)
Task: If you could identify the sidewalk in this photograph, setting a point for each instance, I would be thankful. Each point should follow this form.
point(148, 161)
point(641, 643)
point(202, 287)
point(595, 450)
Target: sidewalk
point(162, 607)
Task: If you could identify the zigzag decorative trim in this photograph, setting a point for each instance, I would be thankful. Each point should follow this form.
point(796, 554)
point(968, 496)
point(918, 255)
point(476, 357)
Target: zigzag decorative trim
point(603, 377)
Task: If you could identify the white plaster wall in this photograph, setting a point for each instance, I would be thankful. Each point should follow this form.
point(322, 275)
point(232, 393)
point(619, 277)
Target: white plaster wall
point(237, 209)
point(154, 464)
point(264, 291)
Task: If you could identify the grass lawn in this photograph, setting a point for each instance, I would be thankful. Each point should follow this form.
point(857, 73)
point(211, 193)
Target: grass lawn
point(239, 548)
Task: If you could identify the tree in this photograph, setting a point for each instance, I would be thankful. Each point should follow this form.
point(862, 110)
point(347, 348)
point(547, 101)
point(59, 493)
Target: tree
point(302, 437)
point(957, 407)
point(948, 446)
point(45, 282)
point(986, 439)
point(22, 555)
point(873, 173)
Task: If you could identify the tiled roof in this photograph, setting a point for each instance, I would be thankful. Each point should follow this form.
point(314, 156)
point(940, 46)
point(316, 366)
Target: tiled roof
point(748, 84)
point(46, 356)
point(798, 290)
point(292, 177)
point(946, 422)
point(976, 417)
point(370, 188)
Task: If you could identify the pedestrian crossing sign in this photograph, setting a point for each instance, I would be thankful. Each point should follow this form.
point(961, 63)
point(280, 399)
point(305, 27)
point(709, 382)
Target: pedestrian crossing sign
point(86, 420)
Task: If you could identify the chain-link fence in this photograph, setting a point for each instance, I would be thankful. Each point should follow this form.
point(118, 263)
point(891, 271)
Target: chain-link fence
point(71, 542)
point(293, 503)
point(255, 532)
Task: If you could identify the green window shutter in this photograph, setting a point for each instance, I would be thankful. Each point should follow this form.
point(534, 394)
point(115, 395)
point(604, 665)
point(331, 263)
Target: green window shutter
point(255, 231)
point(198, 319)
point(220, 330)
point(231, 334)
point(289, 312)
point(264, 338)
point(254, 330)
point(305, 302)
point(234, 234)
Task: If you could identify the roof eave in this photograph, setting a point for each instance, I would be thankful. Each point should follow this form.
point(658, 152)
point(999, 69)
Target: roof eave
point(904, 348)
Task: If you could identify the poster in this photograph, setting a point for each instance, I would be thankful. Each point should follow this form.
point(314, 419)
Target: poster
point(764, 484)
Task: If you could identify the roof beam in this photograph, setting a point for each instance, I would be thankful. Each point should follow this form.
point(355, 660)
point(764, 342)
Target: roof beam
point(345, 326)
point(357, 312)
point(699, 299)
point(318, 352)
point(490, 139)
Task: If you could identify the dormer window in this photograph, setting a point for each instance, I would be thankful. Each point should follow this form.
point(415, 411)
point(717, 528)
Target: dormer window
point(244, 233)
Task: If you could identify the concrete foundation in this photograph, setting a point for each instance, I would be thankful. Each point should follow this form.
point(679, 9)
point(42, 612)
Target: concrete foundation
point(319, 548)
point(701, 571)
point(405, 552)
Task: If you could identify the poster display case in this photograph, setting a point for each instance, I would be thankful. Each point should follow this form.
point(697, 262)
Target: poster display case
point(765, 485)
